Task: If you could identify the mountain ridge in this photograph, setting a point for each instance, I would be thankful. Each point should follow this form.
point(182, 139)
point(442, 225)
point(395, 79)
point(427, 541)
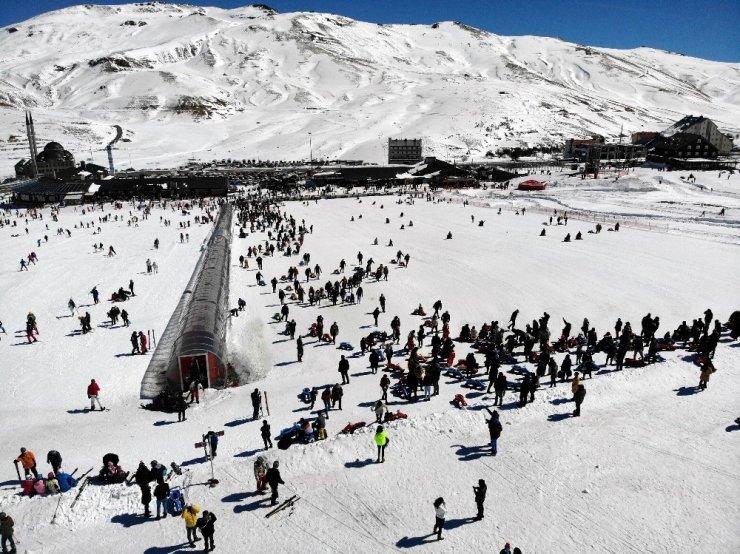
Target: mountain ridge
point(250, 82)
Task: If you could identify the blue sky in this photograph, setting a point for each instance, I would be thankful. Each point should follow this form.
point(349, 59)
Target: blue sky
point(703, 28)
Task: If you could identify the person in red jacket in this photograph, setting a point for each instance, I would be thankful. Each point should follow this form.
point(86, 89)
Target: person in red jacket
point(93, 393)
point(143, 342)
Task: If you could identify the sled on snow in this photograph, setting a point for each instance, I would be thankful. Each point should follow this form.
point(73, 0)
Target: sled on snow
point(393, 417)
point(474, 384)
point(459, 401)
point(454, 372)
point(345, 346)
point(350, 428)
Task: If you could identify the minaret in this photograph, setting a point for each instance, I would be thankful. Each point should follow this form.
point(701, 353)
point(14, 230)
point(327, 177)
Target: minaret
point(32, 142)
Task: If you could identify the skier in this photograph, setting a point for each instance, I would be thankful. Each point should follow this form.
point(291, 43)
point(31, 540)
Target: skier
point(480, 497)
point(440, 511)
point(93, 393)
point(6, 532)
point(494, 430)
point(256, 403)
point(28, 461)
point(273, 479)
point(381, 441)
point(190, 515)
point(266, 434)
point(206, 525)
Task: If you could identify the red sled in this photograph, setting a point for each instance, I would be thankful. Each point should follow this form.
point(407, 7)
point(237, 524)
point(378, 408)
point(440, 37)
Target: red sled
point(634, 362)
point(460, 401)
point(326, 337)
point(534, 357)
point(394, 367)
point(663, 346)
point(393, 417)
point(350, 428)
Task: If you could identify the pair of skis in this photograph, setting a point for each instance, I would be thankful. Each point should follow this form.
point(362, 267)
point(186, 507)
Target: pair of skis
point(287, 504)
point(84, 479)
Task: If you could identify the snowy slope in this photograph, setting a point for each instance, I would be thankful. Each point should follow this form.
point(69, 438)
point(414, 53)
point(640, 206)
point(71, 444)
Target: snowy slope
point(249, 83)
point(650, 466)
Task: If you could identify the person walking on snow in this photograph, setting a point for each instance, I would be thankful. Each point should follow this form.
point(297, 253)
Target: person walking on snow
point(344, 370)
point(480, 497)
point(206, 524)
point(6, 533)
point(94, 293)
point(266, 434)
point(143, 342)
point(93, 393)
point(494, 430)
point(440, 512)
point(274, 479)
point(71, 305)
point(190, 515)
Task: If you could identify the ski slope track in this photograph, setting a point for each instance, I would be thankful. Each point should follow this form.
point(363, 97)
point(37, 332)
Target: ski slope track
point(650, 466)
point(188, 82)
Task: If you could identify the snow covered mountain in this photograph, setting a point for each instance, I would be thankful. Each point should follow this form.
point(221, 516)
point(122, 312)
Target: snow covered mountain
point(246, 83)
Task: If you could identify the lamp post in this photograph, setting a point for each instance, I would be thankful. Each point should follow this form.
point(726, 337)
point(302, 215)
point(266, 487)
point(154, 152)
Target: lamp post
point(310, 149)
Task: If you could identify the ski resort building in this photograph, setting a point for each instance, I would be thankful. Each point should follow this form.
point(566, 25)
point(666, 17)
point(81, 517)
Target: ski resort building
point(702, 127)
point(404, 151)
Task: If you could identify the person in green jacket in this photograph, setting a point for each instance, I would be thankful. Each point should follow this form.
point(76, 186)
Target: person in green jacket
point(381, 439)
point(6, 532)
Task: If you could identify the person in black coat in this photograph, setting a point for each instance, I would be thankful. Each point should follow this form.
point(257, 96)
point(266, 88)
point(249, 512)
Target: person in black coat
point(266, 434)
point(299, 348)
point(273, 479)
point(578, 397)
point(374, 361)
point(55, 459)
point(524, 390)
point(480, 497)
point(256, 404)
point(344, 370)
point(161, 492)
point(143, 476)
point(207, 527)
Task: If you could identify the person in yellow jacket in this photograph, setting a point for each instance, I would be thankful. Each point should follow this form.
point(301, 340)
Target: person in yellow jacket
point(381, 440)
point(190, 515)
point(575, 383)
